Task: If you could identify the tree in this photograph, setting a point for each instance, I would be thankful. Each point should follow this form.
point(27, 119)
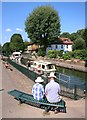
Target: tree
point(65, 35)
point(73, 36)
point(6, 48)
point(84, 36)
point(79, 43)
point(43, 25)
point(80, 32)
point(26, 43)
point(16, 42)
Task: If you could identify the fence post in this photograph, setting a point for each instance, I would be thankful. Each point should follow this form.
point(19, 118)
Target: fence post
point(75, 91)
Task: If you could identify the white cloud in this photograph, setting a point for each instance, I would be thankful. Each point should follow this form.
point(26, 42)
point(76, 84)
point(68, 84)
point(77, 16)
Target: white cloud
point(19, 29)
point(8, 30)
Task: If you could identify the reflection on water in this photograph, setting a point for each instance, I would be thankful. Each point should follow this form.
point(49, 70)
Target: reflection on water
point(76, 77)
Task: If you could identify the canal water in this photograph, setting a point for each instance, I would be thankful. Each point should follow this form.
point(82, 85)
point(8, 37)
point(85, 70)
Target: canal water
point(75, 77)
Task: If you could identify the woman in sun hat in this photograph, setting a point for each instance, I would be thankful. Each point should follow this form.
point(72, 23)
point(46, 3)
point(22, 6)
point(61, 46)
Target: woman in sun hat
point(52, 90)
point(38, 89)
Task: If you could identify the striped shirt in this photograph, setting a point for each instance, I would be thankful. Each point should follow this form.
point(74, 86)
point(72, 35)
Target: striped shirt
point(38, 91)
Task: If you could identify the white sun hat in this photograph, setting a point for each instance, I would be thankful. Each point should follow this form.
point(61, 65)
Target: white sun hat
point(52, 75)
point(39, 79)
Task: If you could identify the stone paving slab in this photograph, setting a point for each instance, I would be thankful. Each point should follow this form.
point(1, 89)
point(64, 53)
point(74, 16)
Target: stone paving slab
point(11, 108)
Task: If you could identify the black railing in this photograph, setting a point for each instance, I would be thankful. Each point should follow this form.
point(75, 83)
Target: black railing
point(68, 90)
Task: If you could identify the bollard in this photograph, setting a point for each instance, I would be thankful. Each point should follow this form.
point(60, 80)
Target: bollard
point(86, 62)
point(75, 91)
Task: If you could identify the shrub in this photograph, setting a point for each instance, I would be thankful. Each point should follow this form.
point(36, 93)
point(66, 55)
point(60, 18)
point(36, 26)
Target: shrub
point(78, 54)
point(60, 53)
point(66, 56)
point(41, 52)
point(52, 53)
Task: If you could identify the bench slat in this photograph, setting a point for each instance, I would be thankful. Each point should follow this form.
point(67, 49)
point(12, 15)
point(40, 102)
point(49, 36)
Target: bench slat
point(29, 98)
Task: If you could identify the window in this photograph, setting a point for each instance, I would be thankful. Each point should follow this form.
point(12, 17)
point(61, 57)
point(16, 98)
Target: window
point(16, 54)
point(43, 66)
point(61, 46)
point(56, 46)
point(49, 45)
point(67, 46)
point(50, 66)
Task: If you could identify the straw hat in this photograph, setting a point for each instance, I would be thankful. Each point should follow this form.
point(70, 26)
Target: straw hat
point(52, 75)
point(39, 79)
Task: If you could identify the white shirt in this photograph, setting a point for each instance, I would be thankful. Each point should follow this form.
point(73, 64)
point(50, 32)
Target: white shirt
point(52, 90)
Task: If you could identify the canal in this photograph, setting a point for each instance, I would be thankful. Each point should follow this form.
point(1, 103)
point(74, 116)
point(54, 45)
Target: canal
point(75, 77)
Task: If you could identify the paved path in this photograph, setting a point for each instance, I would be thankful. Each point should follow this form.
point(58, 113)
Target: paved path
point(11, 108)
point(0, 89)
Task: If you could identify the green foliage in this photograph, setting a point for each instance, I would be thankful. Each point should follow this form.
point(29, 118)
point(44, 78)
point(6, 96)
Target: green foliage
point(55, 54)
point(59, 53)
point(65, 35)
point(43, 25)
point(78, 54)
point(80, 32)
point(52, 54)
point(16, 42)
point(26, 43)
point(84, 36)
point(66, 56)
point(79, 44)
point(6, 48)
point(73, 36)
point(41, 52)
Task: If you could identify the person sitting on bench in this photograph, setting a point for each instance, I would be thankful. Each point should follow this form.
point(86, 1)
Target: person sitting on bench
point(52, 90)
point(38, 89)
point(8, 66)
point(28, 64)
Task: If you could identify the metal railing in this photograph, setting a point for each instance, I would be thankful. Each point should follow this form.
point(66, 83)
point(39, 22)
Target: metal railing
point(68, 90)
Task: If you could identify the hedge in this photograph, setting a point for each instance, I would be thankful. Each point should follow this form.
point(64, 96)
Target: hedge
point(77, 54)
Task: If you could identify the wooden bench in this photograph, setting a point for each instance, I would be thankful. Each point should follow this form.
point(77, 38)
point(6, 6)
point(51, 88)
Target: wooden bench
point(28, 98)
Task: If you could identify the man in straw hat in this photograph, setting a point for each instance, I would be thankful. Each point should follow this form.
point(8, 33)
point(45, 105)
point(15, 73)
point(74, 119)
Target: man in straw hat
point(52, 90)
point(38, 89)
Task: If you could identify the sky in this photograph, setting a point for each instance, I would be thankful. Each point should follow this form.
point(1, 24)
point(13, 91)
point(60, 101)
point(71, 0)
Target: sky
point(13, 16)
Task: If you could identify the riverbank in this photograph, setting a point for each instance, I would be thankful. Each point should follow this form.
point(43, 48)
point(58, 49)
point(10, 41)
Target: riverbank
point(74, 65)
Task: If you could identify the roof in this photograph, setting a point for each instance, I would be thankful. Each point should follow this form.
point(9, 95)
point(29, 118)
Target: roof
point(16, 53)
point(33, 46)
point(66, 41)
point(42, 62)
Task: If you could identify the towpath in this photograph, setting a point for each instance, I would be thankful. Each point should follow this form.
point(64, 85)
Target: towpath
point(11, 108)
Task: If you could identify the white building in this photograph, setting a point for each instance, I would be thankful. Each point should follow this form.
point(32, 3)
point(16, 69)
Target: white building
point(64, 44)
